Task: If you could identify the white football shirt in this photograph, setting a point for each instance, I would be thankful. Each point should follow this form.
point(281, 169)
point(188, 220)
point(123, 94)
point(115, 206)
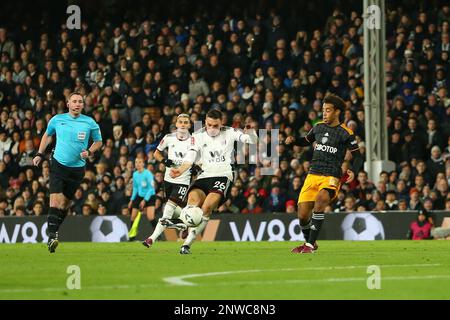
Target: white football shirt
point(177, 149)
point(216, 154)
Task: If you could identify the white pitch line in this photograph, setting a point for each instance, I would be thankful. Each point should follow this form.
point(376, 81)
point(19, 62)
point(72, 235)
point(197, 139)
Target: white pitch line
point(262, 282)
point(180, 280)
point(297, 281)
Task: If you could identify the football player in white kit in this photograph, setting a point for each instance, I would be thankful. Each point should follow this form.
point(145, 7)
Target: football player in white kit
point(214, 145)
point(178, 144)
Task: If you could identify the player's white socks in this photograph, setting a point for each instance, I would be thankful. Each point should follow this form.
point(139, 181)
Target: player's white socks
point(177, 212)
point(168, 212)
point(169, 209)
point(195, 231)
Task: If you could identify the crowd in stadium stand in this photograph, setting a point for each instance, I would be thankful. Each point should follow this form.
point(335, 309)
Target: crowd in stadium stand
point(137, 75)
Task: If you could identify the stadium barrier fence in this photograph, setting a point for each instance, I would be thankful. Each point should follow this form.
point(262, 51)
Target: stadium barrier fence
point(223, 227)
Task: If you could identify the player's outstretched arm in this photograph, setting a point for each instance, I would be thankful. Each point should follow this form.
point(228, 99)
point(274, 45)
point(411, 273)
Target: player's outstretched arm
point(249, 136)
point(302, 142)
point(45, 141)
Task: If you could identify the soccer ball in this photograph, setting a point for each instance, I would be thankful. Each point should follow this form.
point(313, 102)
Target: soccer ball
point(362, 226)
point(191, 216)
point(108, 229)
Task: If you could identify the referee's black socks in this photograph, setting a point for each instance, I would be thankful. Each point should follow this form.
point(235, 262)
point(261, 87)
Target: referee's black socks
point(316, 224)
point(54, 220)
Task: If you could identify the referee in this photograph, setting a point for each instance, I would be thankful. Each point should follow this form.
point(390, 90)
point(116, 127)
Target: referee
point(73, 131)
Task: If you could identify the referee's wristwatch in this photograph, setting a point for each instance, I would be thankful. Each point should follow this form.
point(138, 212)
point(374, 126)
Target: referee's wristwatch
point(89, 152)
point(41, 155)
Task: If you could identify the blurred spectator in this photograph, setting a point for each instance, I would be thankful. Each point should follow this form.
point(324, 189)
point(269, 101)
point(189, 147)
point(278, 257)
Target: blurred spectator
point(86, 210)
point(276, 201)
point(364, 186)
point(291, 207)
point(391, 200)
point(402, 205)
point(252, 205)
point(349, 204)
point(38, 208)
point(136, 77)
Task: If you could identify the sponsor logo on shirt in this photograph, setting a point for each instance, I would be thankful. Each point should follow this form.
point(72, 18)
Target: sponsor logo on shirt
point(321, 147)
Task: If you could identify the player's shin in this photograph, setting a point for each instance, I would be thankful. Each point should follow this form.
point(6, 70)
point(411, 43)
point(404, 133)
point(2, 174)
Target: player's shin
point(169, 210)
point(316, 224)
point(168, 213)
point(305, 226)
point(54, 221)
point(177, 211)
point(196, 231)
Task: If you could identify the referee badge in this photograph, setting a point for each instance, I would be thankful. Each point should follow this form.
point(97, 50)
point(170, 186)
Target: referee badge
point(144, 184)
point(81, 135)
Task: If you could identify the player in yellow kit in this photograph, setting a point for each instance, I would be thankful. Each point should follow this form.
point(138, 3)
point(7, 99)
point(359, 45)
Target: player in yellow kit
point(331, 140)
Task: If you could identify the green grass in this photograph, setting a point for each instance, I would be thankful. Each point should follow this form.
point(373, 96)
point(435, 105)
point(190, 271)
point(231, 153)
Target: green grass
point(266, 270)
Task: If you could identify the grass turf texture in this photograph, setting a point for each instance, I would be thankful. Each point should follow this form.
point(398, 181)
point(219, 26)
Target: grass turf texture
point(244, 270)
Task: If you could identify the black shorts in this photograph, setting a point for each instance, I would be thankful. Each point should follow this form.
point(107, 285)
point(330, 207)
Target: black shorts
point(220, 185)
point(65, 180)
point(175, 192)
point(149, 203)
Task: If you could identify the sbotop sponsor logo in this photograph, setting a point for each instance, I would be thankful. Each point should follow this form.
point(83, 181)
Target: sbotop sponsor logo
point(322, 147)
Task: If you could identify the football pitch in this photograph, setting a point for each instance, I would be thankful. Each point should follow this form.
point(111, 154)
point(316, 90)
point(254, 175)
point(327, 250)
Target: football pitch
point(227, 270)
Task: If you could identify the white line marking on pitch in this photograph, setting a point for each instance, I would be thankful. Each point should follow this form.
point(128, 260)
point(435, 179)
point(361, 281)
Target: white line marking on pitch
point(180, 280)
point(297, 281)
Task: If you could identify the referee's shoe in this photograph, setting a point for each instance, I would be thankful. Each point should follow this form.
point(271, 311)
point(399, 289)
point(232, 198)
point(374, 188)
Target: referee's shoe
point(52, 244)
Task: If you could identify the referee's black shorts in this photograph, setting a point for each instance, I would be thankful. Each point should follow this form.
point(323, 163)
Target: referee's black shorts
point(149, 203)
point(65, 179)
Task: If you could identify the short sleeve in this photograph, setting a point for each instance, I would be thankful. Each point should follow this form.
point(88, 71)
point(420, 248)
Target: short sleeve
point(236, 135)
point(310, 136)
point(95, 132)
point(195, 143)
point(51, 127)
point(162, 144)
point(351, 143)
